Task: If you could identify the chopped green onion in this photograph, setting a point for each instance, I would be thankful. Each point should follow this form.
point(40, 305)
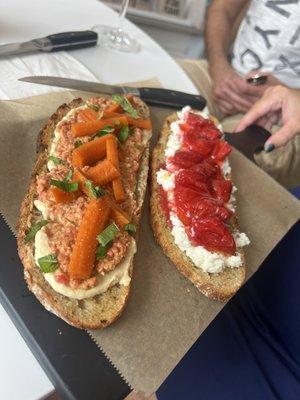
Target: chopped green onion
point(101, 252)
point(48, 263)
point(108, 234)
point(78, 143)
point(130, 228)
point(34, 229)
point(126, 105)
point(56, 160)
point(65, 184)
point(94, 191)
point(123, 134)
point(105, 131)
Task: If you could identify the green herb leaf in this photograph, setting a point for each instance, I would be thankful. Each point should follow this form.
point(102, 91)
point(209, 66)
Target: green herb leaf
point(69, 175)
point(105, 131)
point(130, 228)
point(34, 229)
point(101, 252)
point(123, 134)
point(108, 234)
point(78, 143)
point(56, 160)
point(126, 105)
point(48, 263)
point(94, 191)
point(94, 107)
point(65, 184)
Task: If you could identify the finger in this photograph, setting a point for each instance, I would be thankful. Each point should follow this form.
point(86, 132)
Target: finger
point(240, 103)
point(226, 108)
point(259, 109)
point(283, 135)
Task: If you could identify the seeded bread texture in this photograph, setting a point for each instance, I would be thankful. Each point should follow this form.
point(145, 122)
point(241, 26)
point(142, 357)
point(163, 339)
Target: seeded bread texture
point(98, 311)
point(220, 286)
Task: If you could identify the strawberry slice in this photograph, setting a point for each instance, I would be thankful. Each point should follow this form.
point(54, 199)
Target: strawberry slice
point(192, 179)
point(221, 150)
point(208, 169)
point(185, 159)
point(195, 205)
point(212, 234)
point(222, 189)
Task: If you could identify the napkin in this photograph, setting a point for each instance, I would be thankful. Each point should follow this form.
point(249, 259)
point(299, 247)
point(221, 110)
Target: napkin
point(53, 64)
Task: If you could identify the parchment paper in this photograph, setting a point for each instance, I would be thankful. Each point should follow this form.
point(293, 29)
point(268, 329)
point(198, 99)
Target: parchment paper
point(165, 313)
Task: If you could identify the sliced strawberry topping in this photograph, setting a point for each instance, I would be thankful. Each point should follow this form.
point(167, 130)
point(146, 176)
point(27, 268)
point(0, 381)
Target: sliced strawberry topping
point(201, 127)
point(222, 189)
point(221, 150)
point(208, 169)
point(196, 203)
point(213, 235)
point(185, 159)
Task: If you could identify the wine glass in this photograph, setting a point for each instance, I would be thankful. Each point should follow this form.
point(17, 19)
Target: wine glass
point(115, 37)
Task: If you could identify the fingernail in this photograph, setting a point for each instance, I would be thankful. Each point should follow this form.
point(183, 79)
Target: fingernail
point(269, 147)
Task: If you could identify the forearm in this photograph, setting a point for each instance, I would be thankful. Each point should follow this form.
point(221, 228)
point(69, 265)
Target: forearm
point(220, 19)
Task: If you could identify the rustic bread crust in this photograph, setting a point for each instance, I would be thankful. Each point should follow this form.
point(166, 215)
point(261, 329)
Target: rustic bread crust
point(220, 286)
point(98, 311)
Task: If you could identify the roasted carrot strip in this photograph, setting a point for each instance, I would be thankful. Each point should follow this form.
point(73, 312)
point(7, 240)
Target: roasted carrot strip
point(59, 196)
point(91, 152)
point(112, 150)
point(140, 123)
point(91, 127)
point(93, 222)
point(102, 173)
point(118, 190)
point(111, 110)
point(88, 114)
point(119, 217)
point(81, 179)
point(113, 156)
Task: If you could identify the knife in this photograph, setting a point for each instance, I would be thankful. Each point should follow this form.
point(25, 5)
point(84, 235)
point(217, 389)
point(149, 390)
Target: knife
point(58, 41)
point(153, 96)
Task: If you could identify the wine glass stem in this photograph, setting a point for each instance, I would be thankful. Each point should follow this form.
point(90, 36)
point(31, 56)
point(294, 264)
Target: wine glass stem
point(122, 14)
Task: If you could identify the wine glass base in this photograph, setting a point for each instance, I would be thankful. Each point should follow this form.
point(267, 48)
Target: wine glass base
point(117, 39)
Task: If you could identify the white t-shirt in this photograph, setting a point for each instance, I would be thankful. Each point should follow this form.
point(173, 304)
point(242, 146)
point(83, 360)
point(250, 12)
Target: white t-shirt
point(269, 40)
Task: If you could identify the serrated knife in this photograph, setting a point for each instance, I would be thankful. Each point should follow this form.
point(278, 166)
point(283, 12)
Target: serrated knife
point(153, 96)
point(55, 42)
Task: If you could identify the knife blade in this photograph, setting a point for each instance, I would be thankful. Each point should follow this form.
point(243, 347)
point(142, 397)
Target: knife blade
point(55, 42)
point(152, 96)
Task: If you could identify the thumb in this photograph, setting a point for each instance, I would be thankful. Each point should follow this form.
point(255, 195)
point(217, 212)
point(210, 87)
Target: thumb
point(283, 135)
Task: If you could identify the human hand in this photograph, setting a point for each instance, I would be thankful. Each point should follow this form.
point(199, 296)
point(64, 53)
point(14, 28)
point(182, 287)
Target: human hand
point(232, 93)
point(279, 105)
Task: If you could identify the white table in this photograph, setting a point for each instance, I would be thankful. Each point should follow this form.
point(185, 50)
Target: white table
point(23, 20)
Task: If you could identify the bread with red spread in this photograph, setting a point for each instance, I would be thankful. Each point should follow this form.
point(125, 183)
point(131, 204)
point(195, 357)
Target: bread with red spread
point(83, 208)
point(181, 210)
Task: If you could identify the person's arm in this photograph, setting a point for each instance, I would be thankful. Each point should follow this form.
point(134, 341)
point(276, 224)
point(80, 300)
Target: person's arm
point(220, 19)
point(278, 105)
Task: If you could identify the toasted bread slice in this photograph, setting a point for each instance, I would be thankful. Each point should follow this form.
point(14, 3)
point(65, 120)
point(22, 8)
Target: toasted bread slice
point(219, 286)
point(98, 311)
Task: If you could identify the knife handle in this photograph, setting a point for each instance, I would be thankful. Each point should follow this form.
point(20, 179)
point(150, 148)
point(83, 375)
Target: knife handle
point(71, 40)
point(171, 98)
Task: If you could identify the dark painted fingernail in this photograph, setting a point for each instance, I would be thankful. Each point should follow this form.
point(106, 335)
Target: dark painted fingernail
point(269, 147)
